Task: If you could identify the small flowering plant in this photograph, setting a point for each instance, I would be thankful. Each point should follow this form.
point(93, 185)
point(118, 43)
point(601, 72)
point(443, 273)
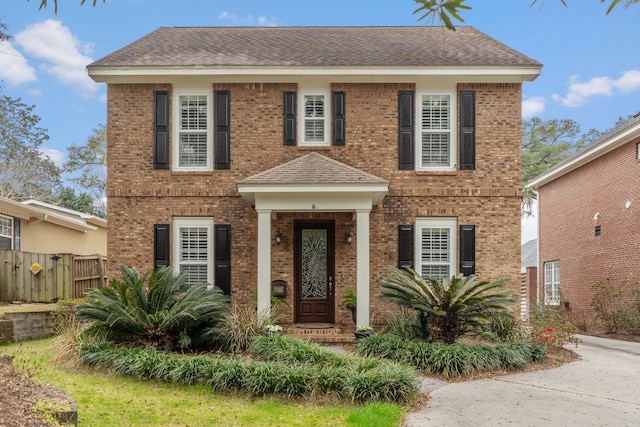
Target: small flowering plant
point(273, 328)
point(363, 328)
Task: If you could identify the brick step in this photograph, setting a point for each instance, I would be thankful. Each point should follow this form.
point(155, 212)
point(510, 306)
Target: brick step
point(322, 334)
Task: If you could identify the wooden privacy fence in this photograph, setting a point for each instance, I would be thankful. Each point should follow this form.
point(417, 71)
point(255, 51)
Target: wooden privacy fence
point(60, 276)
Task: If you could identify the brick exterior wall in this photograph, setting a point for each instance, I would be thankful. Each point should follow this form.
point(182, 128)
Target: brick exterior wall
point(567, 230)
point(488, 196)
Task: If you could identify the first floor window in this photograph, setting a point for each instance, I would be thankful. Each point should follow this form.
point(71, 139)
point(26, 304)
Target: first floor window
point(193, 248)
point(6, 232)
point(193, 135)
point(436, 247)
point(552, 283)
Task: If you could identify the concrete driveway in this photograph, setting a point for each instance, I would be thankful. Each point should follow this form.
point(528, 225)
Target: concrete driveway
point(602, 389)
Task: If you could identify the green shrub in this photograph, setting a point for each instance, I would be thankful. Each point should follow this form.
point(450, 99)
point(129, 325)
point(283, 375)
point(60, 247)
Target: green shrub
point(238, 328)
point(447, 308)
point(504, 327)
point(390, 382)
point(291, 350)
point(617, 307)
point(562, 331)
point(405, 324)
point(452, 360)
point(157, 309)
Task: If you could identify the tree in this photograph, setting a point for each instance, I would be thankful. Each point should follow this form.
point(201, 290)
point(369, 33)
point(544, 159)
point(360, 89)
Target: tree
point(4, 31)
point(81, 203)
point(544, 145)
point(43, 3)
point(25, 173)
point(449, 307)
point(444, 10)
point(90, 161)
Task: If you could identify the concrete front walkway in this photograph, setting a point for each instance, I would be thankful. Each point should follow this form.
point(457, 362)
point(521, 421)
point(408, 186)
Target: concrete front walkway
point(602, 389)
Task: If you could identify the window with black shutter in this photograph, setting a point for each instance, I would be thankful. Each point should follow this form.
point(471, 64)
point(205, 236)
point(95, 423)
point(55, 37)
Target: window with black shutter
point(161, 130)
point(338, 118)
point(289, 104)
point(467, 249)
point(405, 246)
point(222, 257)
point(222, 129)
point(467, 129)
point(405, 130)
point(161, 245)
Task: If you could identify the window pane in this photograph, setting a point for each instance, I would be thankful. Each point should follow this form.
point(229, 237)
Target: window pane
point(314, 130)
point(435, 271)
point(435, 149)
point(6, 226)
point(314, 106)
point(5, 242)
point(193, 149)
point(196, 273)
point(435, 112)
point(193, 112)
point(193, 244)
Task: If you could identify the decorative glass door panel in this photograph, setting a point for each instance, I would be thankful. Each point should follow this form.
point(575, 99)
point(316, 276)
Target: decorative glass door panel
point(314, 264)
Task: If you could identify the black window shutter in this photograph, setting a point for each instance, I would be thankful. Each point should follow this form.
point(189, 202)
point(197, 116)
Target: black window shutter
point(338, 118)
point(16, 234)
point(405, 130)
point(290, 118)
point(405, 246)
point(467, 249)
point(160, 245)
point(467, 129)
point(161, 130)
point(222, 129)
point(222, 257)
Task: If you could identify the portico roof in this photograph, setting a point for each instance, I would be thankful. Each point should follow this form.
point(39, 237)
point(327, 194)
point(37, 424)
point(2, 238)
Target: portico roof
point(316, 174)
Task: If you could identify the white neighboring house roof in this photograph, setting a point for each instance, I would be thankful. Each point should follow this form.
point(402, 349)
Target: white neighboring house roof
point(34, 210)
point(621, 135)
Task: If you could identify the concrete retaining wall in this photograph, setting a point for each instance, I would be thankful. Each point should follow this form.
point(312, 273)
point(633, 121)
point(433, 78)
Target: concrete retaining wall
point(23, 326)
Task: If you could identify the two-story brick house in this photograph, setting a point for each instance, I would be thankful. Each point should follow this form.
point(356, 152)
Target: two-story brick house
point(318, 156)
point(588, 216)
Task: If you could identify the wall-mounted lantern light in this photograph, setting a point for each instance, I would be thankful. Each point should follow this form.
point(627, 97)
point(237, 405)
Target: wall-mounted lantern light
point(349, 237)
point(278, 237)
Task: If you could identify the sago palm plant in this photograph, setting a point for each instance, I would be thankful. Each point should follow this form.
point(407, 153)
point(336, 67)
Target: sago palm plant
point(447, 307)
point(157, 309)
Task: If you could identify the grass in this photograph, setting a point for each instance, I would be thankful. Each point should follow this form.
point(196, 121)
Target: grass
point(105, 399)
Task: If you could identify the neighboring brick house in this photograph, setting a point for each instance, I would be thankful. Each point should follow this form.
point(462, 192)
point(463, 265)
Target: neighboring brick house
point(589, 217)
point(315, 156)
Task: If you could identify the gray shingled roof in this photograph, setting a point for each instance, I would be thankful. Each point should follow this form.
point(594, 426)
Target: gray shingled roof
point(313, 168)
point(315, 47)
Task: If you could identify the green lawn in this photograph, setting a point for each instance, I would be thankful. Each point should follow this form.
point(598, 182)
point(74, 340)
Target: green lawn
point(107, 400)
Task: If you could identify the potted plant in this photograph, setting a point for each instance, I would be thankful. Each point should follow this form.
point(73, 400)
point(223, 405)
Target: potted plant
point(350, 301)
point(363, 331)
point(271, 330)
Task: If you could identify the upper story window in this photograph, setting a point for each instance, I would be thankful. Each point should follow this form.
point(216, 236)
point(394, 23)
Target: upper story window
point(436, 131)
point(192, 148)
point(6, 232)
point(436, 247)
point(314, 113)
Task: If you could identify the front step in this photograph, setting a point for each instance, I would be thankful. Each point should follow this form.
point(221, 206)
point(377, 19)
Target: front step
point(320, 333)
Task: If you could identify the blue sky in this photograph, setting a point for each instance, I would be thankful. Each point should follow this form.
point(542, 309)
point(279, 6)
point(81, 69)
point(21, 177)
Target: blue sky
point(591, 70)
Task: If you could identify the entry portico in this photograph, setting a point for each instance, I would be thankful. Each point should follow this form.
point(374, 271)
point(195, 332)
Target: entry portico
point(314, 183)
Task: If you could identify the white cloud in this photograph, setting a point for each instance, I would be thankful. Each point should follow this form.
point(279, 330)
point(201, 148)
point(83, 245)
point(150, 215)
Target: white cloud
point(532, 106)
point(61, 53)
point(262, 21)
point(580, 92)
point(14, 68)
point(57, 157)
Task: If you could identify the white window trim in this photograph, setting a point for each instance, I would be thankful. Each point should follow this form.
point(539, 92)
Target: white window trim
point(453, 135)
point(182, 222)
point(9, 236)
point(326, 92)
point(175, 158)
point(452, 225)
point(552, 288)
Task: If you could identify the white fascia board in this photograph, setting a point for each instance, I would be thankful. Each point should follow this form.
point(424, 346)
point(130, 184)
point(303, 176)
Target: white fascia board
point(374, 193)
point(275, 74)
point(591, 153)
point(313, 202)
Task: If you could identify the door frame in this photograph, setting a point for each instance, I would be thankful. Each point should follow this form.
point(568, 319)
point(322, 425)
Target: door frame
point(298, 226)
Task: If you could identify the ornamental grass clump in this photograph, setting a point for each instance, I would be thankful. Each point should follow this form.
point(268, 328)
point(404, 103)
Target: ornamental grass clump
point(158, 309)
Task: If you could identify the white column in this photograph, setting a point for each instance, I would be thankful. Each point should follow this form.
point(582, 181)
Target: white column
point(362, 266)
point(264, 261)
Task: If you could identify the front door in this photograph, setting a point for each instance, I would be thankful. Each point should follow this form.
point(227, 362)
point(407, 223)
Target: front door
point(314, 270)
